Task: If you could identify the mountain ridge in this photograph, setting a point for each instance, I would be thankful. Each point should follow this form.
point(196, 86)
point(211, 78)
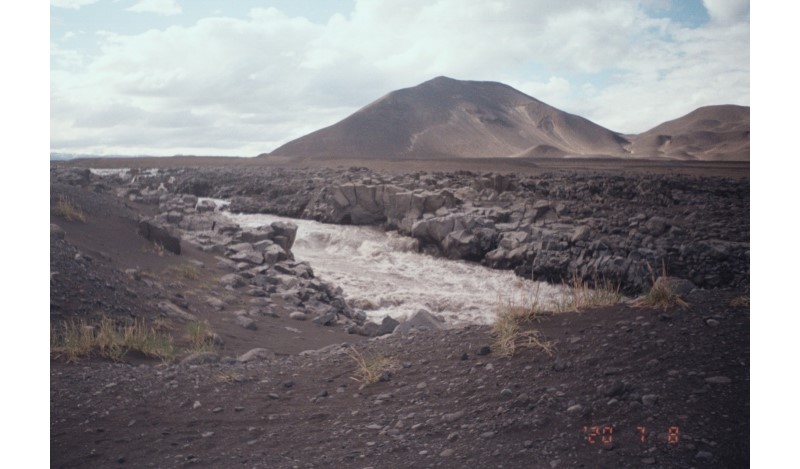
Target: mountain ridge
point(448, 118)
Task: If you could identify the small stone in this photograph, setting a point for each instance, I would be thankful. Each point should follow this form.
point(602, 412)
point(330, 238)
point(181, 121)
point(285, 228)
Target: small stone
point(464, 356)
point(649, 461)
point(554, 463)
point(712, 322)
point(272, 395)
point(487, 435)
point(452, 417)
point(574, 409)
point(298, 315)
point(559, 365)
point(507, 393)
point(718, 380)
point(323, 393)
point(216, 410)
point(196, 405)
point(452, 436)
point(246, 323)
point(484, 350)
point(208, 434)
point(704, 455)
point(446, 453)
point(653, 362)
point(288, 384)
point(649, 399)
point(422, 385)
point(527, 443)
point(489, 367)
point(200, 358)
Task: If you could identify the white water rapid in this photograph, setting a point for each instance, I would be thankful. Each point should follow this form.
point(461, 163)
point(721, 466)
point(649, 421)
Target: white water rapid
point(381, 274)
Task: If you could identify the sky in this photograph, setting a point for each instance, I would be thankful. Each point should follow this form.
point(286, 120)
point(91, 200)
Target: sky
point(239, 78)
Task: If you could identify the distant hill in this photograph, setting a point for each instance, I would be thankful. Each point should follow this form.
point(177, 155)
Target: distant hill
point(444, 117)
point(719, 133)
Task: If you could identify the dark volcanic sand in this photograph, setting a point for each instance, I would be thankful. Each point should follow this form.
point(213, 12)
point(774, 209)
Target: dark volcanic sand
point(445, 406)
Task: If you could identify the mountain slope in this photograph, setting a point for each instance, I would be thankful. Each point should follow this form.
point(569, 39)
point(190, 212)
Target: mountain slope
point(444, 117)
point(719, 133)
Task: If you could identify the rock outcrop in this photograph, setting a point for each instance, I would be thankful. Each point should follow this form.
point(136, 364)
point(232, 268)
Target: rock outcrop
point(552, 227)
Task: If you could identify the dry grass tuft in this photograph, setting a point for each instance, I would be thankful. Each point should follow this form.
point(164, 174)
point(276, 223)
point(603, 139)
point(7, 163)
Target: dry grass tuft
point(148, 341)
point(187, 271)
point(73, 340)
point(743, 300)
point(68, 210)
point(369, 370)
point(228, 378)
point(509, 334)
point(200, 336)
point(580, 296)
point(661, 295)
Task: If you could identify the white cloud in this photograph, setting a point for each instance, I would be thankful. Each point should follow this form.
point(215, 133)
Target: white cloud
point(73, 4)
point(159, 7)
point(245, 85)
point(728, 11)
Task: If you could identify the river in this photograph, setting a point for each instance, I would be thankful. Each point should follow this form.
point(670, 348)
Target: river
point(382, 274)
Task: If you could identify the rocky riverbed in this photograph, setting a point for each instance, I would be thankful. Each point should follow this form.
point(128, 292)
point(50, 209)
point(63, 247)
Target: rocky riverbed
point(554, 226)
point(623, 386)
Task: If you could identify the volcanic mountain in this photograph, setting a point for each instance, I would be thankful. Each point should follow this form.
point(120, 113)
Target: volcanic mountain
point(444, 117)
point(720, 133)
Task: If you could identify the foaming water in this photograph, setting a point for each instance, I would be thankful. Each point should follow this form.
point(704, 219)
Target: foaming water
point(382, 274)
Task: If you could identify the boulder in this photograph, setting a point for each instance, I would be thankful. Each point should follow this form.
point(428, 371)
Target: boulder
point(421, 320)
point(200, 358)
point(56, 231)
point(160, 235)
point(256, 354)
point(246, 322)
point(285, 234)
point(205, 206)
point(232, 280)
point(680, 286)
point(656, 226)
point(388, 326)
point(250, 257)
point(581, 233)
point(175, 312)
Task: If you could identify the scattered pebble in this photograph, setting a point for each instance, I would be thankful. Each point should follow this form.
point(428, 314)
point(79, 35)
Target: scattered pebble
point(718, 380)
point(574, 409)
point(649, 399)
point(704, 455)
